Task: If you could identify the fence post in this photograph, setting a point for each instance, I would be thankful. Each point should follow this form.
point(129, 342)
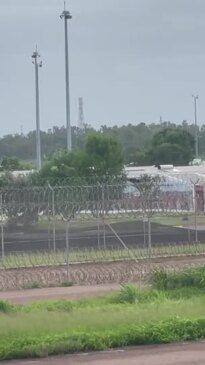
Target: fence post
point(98, 221)
point(53, 215)
point(103, 217)
point(49, 233)
point(195, 211)
point(67, 250)
point(144, 231)
point(149, 235)
point(2, 228)
point(2, 241)
point(98, 234)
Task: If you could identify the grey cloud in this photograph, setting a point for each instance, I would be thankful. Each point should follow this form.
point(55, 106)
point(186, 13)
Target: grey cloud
point(131, 60)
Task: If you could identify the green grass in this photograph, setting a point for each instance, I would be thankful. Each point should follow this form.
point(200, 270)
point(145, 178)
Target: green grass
point(40, 334)
point(51, 258)
point(132, 316)
point(98, 319)
point(171, 310)
point(179, 221)
point(40, 345)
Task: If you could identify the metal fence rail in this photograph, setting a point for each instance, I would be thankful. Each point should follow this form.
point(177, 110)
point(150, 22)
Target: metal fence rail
point(48, 217)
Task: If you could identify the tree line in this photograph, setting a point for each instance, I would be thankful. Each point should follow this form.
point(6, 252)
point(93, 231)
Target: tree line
point(163, 143)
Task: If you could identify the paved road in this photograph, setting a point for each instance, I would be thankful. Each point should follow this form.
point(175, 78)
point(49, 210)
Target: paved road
point(189, 354)
point(75, 292)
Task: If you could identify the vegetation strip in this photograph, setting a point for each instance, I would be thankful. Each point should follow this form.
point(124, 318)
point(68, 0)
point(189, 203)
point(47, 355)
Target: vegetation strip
point(174, 330)
point(171, 311)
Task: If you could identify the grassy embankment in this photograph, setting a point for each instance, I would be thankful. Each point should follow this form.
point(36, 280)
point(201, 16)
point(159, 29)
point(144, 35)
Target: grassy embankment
point(172, 310)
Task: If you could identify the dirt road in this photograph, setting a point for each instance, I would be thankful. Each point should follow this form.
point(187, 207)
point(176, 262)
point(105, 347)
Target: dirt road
point(75, 292)
point(189, 354)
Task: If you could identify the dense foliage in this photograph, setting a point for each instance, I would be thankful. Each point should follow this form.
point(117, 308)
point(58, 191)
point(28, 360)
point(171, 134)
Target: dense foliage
point(189, 278)
point(8, 164)
point(137, 142)
point(102, 156)
point(172, 146)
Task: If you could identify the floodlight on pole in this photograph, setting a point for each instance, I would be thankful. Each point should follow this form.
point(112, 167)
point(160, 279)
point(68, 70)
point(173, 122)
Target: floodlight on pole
point(67, 16)
point(196, 97)
point(37, 64)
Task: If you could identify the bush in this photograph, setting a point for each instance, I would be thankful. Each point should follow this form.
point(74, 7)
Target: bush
point(159, 280)
point(189, 278)
point(5, 307)
point(128, 294)
point(173, 330)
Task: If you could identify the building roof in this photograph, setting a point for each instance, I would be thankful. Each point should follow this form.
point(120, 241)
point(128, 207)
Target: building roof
point(191, 174)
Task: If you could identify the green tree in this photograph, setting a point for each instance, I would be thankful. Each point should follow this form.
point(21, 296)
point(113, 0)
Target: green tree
point(10, 164)
point(64, 165)
point(172, 146)
point(104, 154)
point(132, 138)
point(13, 164)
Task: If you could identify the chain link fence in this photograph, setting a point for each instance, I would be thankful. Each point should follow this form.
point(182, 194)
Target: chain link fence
point(100, 216)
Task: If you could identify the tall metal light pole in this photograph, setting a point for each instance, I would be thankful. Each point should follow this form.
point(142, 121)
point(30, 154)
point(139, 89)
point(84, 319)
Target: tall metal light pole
point(67, 16)
point(195, 97)
point(37, 64)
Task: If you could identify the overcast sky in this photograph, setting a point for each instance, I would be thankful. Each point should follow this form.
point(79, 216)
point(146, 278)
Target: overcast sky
point(131, 61)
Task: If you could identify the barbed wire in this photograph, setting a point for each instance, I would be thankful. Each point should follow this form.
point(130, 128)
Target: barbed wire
point(69, 202)
point(36, 180)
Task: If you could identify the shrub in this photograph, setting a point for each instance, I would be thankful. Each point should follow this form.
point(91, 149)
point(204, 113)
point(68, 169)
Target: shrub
point(128, 294)
point(194, 278)
point(5, 307)
point(173, 330)
point(159, 280)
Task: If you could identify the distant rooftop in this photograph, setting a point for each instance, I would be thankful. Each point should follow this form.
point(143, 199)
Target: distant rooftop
point(194, 174)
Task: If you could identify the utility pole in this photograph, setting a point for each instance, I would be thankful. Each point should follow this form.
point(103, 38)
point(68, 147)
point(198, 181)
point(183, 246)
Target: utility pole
point(37, 64)
point(196, 97)
point(81, 120)
point(67, 16)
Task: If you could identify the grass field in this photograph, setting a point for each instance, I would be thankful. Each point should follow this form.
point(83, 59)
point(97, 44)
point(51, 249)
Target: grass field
point(131, 317)
point(174, 220)
point(179, 221)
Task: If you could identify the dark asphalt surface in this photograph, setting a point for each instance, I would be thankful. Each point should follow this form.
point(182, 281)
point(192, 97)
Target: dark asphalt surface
point(131, 233)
